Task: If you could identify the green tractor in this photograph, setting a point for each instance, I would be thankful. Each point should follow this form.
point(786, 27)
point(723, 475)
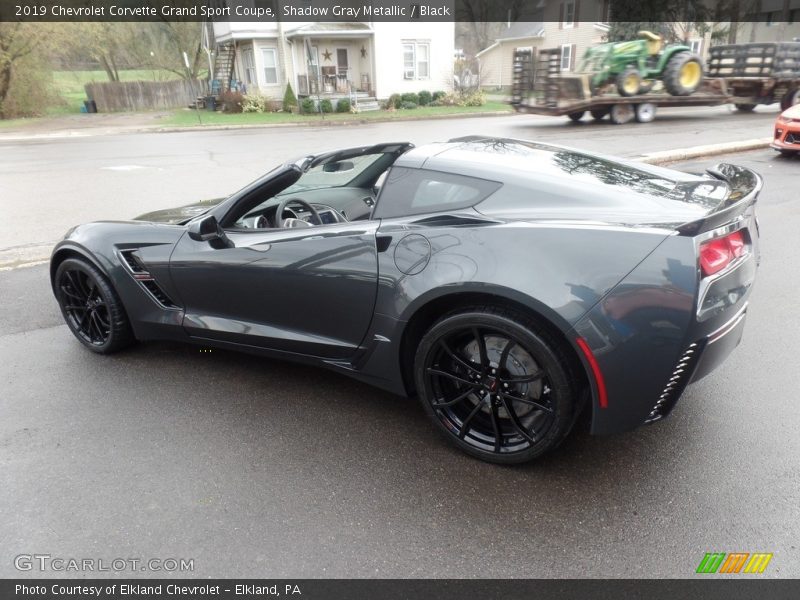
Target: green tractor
point(634, 66)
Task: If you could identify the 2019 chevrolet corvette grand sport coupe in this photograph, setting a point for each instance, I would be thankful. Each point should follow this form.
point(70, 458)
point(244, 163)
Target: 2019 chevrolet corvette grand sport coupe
point(510, 285)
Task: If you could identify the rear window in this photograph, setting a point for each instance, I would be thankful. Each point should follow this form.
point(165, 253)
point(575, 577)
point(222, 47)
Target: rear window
point(417, 191)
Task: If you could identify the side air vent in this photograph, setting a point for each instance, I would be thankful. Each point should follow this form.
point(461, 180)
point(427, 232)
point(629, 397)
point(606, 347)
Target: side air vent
point(676, 383)
point(151, 286)
point(133, 262)
point(140, 273)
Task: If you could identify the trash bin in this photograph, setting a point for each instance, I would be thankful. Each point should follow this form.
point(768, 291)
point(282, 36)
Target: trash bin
point(211, 103)
point(91, 106)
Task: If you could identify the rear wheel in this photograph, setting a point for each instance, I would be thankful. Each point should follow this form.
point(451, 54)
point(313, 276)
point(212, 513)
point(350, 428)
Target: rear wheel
point(495, 384)
point(683, 74)
point(622, 113)
point(629, 81)
point(745, 107)
point(576, 116)
point(645, 112)
point(91, 307)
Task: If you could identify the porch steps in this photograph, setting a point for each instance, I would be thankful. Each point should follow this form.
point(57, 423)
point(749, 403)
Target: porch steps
point(367, 104)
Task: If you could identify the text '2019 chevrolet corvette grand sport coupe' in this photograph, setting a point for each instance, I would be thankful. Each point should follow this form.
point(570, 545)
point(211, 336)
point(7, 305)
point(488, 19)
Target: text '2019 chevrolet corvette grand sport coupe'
point(510, 285)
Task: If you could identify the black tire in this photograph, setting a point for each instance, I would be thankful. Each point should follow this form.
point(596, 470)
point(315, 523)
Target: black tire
point(599, 113)
point(745, 107)
point(468, 370)
point(91, 307)
point(629, 82)
point(675, 69)
point(790, 98)
point(576, 116)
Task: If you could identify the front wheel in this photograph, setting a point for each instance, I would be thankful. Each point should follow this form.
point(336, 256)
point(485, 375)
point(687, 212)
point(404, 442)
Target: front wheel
point(496, 385)
point(745, 107)
point(91, 307)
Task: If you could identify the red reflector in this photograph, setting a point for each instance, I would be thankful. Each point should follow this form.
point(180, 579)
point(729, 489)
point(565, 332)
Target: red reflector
point(602, 396)
point(718, 253)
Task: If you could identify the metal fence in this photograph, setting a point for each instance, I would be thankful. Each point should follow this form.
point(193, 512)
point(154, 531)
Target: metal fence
point(120, 96)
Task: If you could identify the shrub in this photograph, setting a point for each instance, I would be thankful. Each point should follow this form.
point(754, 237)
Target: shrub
point(308, 106)
point(438, 95)
point(408, 105)
point(255, 103)
point(393, 101)
point(289, 99)
point(425, 98)
point(410, 97)
point(343, 106)
point(325, 106)
point(475, 99)
point(232, 102)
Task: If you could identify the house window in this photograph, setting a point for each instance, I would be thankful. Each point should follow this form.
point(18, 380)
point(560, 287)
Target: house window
point(270, 56)
point(416, 60)
point(566, 57)
point(696, 46)
point(568, 20)
point(249, 66)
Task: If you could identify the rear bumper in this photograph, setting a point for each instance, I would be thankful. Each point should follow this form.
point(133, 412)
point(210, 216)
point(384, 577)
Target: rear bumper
point(718, 345)
point(661, 329)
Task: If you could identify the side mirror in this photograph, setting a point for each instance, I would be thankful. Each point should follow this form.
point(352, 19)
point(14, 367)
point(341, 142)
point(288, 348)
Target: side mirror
point(208, 230)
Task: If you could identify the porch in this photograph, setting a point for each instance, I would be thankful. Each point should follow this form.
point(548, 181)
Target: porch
point(333, 60)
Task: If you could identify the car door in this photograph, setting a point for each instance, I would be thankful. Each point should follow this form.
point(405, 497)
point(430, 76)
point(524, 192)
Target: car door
point(308, 290)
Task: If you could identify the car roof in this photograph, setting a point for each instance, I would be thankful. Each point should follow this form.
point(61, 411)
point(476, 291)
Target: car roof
point(525, 162)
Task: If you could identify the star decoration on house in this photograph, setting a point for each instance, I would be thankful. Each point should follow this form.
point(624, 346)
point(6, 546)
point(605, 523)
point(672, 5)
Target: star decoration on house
point(326, 55)
point(363, 52)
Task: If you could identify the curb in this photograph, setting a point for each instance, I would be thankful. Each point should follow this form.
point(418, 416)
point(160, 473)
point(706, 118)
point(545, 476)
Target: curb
point(667, 156)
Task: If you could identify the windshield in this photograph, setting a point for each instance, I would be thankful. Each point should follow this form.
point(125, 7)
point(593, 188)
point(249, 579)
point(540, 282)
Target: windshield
point(333, 174)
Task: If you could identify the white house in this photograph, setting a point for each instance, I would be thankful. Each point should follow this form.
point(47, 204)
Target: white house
point(370, 59)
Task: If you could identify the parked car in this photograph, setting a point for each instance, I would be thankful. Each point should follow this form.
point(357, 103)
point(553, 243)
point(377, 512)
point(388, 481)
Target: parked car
point(786, 139)
point(510, 285)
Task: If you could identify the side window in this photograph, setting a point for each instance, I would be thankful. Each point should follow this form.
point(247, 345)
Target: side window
point(416, 191)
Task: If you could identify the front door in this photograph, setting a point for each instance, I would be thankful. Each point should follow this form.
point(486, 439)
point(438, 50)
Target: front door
point(306, 290)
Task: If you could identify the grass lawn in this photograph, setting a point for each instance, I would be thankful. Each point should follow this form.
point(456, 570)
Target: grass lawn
point(69, 85)
point(188, 118)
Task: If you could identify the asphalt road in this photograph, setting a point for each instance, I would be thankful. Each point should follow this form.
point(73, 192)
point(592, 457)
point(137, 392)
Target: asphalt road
point(254, 467)
point(49, 185)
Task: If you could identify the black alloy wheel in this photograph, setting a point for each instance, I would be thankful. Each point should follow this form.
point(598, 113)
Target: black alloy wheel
point(496, 385)
point(91, 308)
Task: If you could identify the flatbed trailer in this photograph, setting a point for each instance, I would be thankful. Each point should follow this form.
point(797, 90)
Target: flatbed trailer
point(539, 87)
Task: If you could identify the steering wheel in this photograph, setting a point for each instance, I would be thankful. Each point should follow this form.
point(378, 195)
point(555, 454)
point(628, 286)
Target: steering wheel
point(280, 221)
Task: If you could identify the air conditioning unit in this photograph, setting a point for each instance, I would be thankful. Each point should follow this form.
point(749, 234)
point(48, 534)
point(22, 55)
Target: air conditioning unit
point(409, 74)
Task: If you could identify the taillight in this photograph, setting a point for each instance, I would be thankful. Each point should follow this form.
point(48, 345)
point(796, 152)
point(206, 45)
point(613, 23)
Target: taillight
point(718, 253)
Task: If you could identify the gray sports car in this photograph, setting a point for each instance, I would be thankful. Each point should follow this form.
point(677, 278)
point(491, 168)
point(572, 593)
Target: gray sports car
point(510, 285)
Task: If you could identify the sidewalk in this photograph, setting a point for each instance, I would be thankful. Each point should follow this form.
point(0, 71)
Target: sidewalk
point(82, 125)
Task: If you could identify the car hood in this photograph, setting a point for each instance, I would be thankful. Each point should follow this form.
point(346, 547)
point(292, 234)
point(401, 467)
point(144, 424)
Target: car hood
point(179, 214)
point(793, 112)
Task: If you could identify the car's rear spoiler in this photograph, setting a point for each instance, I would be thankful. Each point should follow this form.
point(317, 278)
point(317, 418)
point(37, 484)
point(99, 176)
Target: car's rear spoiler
point(744, 184)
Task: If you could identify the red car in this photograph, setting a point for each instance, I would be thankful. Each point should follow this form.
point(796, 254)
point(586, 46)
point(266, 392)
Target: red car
point(787, 131)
